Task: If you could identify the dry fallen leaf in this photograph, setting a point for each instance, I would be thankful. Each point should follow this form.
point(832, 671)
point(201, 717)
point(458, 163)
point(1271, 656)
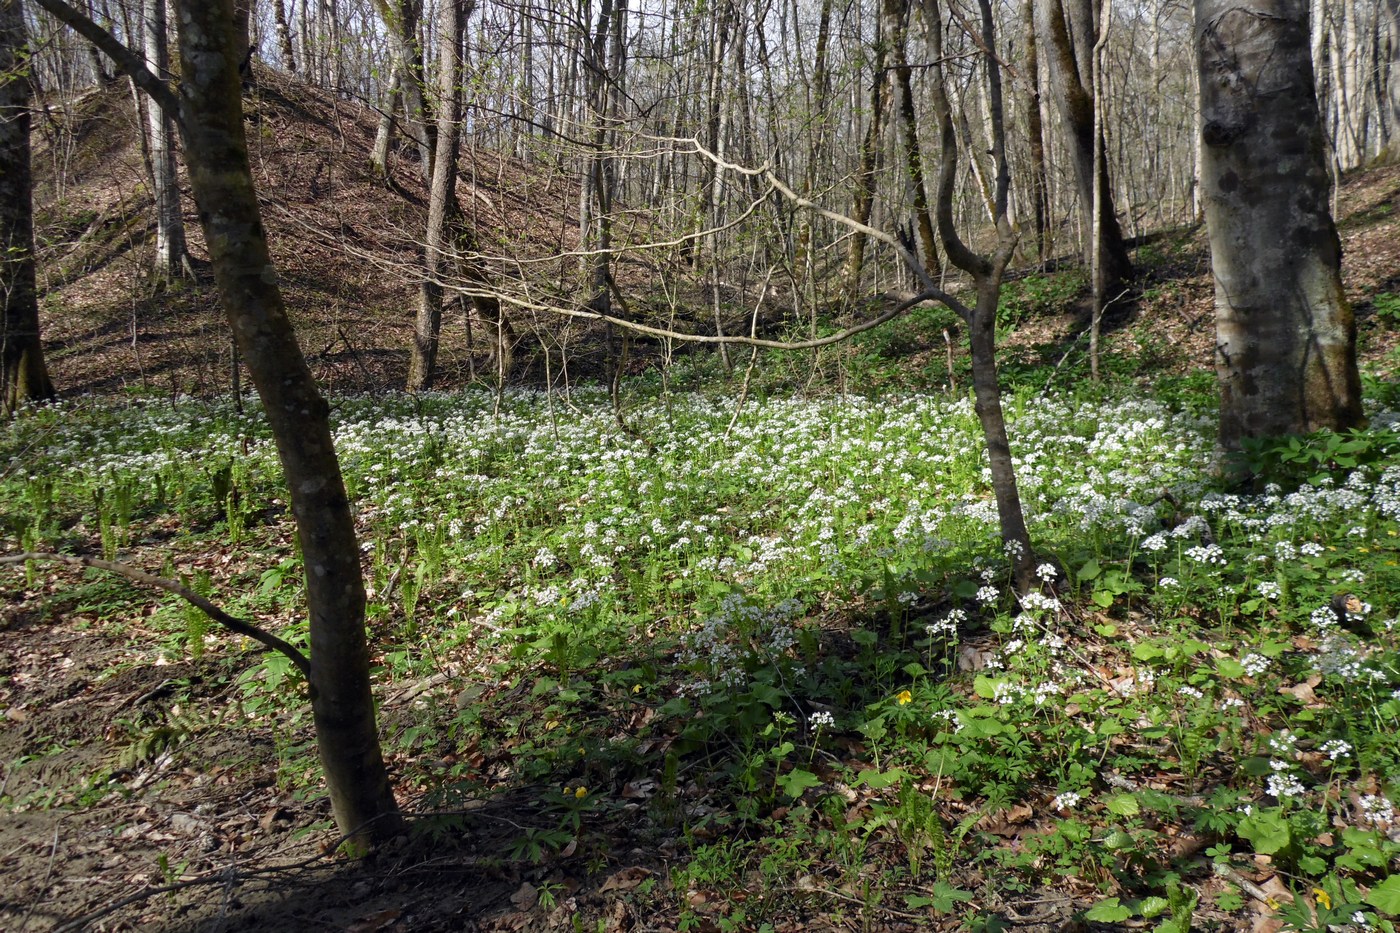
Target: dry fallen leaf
point(526, 896)
point(626, 879)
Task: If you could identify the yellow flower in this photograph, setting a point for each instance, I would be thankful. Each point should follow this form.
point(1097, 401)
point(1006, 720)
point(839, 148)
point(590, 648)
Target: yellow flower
point(1323, 898)
point(904, 698)
point(581, 792)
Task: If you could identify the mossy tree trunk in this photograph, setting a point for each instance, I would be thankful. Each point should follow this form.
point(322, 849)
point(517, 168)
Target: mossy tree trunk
point(1285, 335)
point(23, 375)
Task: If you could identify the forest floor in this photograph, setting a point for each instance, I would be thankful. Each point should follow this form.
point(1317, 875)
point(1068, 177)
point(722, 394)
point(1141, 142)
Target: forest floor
point(152, 784)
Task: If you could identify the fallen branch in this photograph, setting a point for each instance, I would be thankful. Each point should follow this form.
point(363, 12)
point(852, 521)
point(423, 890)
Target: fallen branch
point(247, 629)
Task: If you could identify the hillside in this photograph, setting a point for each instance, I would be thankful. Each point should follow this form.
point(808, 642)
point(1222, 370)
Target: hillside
point(346, 243)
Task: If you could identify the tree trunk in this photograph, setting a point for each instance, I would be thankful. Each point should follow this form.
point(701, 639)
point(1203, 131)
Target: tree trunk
point(986, 273)
point(1039, 192)
point(1068, 33)
point(1285, 336)
point(428, 328)
point(867, 174)
point(1392, 83)
point(284, 36)
point(896, 13)
point(406, 61)
point(160, 131)
point(23, 375)
point(217, 155)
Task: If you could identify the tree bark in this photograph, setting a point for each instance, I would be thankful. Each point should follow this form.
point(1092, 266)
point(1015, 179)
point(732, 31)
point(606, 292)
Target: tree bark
point(23, 375)
point(428, 327)
point(284, 36)
point(1039, 188)
point(342, 704)
point(1068, 32)
point(986, 273)
point(867, 173)
point(896, 13)
point(160, 131)
point(1285, 336)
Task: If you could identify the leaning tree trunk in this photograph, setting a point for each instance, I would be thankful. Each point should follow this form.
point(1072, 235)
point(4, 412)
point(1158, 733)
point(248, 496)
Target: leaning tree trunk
point(1285, 336)
point(217, 155)
point(428, 327)
point(23, 376)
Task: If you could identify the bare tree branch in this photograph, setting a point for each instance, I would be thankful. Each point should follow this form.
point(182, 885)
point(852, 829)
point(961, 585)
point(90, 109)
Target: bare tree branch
point(266, 639)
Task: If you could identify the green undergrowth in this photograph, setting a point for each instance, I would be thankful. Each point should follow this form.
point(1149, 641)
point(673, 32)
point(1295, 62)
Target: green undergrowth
point(773, 643)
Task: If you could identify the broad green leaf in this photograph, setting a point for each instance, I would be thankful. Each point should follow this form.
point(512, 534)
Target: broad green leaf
point(796, 781)
point(1089, 571)
point(1229, 667)
point(1123, 805)
point(1385, 896)
point(1108, 911)
point(879, 780)
point(1147, 651)
point(1267, 831)
point(1150, 907)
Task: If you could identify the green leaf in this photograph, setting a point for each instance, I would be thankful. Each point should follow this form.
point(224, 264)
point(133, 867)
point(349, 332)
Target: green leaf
point(1150, 907)
point(1385, 896)
point(1267, 831)
point(1118, 840)
point(1089, 571)
point(1147, 651)
point(1102, 598)
point(1229, 667)
point(878, 780)
point(1107, 629)
point(796, 781)
point(1123, 805)
point(1108, 911)
point(986, 687)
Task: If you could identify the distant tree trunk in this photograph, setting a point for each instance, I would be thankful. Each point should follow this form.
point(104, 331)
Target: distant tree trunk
point(863, 201)
point(401, 18)
point(23, 376)
point(284, 36)
point(1285, 336)
point(1068, 30)
point(428, 327)
point(1392, 83)
point(160, 131)
point(1039, 189)
point(896, 13)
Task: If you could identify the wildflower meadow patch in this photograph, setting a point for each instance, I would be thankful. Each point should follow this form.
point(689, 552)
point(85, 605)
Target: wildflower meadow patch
point(781, 647)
